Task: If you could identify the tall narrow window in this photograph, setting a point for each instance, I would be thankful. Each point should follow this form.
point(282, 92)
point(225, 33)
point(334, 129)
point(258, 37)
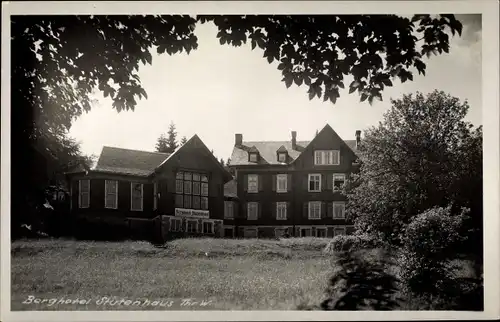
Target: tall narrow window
point(314, 183)
point(338, 231)
point(339, 210)
point(84, 193)
point(253, 183)
point(314, 209)
point(228, 210)
point(136, 201)
point(111, 198)
point(155, 196)
point(253, 209)
point(281, 210)
point(281, 183)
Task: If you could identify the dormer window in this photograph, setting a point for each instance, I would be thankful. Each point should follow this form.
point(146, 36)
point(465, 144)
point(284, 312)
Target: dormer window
point(282, 154)
point(253, 154)
point(281, 157)
point(253, 157)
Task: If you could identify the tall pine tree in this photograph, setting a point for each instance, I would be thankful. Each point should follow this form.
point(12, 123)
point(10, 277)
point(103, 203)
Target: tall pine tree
point(172, 138)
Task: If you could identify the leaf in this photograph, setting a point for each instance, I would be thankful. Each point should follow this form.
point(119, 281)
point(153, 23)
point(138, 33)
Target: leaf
point(363, 97)
point(281, 66)
point(254, 43)
point(298, 79)
point(387, 82)
point(288, 81)
point(312, 93)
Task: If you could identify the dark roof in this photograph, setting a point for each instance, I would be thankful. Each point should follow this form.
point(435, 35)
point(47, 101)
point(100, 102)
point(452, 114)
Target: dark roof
point(230, 189)
point(129, 162)
point(268, 151)
point(282, 149)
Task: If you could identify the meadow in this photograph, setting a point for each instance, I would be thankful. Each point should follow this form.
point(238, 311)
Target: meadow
point(226, 274)
point(187, 274)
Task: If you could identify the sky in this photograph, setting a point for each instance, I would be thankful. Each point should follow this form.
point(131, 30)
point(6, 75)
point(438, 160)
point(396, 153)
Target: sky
point(217, 91)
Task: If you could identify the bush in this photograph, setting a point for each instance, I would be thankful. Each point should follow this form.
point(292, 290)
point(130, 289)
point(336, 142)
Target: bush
point(346, 243)
point(428, 248)
point(362, 282)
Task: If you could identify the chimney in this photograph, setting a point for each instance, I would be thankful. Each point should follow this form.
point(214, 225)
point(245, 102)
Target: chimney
point(294, 140)
point(358, 137)
point(238, 139)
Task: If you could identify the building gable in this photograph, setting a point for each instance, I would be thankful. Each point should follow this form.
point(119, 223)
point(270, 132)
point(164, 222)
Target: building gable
point(194, 154)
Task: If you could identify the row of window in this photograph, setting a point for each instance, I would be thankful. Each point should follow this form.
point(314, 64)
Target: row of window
point(314, 210)
point(314, 182)
point(191, 226)
point(191, 192)
point(253, 232)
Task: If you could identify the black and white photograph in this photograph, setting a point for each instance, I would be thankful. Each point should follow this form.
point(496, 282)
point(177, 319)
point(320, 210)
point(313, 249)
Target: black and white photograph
point(219, 159)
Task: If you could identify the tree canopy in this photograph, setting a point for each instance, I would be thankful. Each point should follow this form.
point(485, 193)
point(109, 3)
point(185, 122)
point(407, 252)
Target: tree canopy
point(423, 154)
point(60, 60)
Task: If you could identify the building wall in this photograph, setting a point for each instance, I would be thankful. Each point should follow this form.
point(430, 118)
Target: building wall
point(297, 195)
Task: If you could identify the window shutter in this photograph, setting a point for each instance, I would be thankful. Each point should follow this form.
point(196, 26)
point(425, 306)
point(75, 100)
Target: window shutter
point(306, 182)
point(245, 182)
point(235, 209)
point(305, 210)
point(289, 182)
point(259, 210)
point(323, 182)
point(274, 210)
point(288, 209)
point(330, 209)
point(245, 210)
point(329, 181)
point(259, 182)
point(275, 178)
point(323, 210)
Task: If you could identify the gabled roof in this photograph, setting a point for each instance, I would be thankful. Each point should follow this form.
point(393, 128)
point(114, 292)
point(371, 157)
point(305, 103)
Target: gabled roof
point(128, 162)
point(193, 139)
point(268, 151)
point(282, 149)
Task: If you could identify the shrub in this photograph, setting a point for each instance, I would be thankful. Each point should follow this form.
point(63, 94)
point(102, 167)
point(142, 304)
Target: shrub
point(362, 282)
point(344, 243)
point(428, 248)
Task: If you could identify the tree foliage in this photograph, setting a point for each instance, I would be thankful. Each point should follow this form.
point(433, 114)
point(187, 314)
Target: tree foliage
point(60, 60)
point(420, 156)
point(183, 140)
point(171, 139)
point(161, 144)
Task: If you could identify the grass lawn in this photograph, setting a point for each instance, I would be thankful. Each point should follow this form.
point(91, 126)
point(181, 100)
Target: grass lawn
point(233, 275)
point(215, 274)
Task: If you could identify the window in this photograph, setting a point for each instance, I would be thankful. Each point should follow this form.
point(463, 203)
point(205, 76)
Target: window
point(111, 197)
point(208, 227)
point(305, 232)
point(84, 193)
point(338, 231)
point(280, 232)
point(281, 210)
point(339, 210)
point(338, 181)
point(175, 224)
point(314, 183)
point(192, 226)
point(253, 208)
point(155, 195)
point(136, 199)
point(314, 210)
point(330, 157)
point(191, 190)
point(281, 157)
point(281, 183)
point(228, 210)
point(250, 233)
point(253, 157)
point(253, 183)
point(321, 232)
